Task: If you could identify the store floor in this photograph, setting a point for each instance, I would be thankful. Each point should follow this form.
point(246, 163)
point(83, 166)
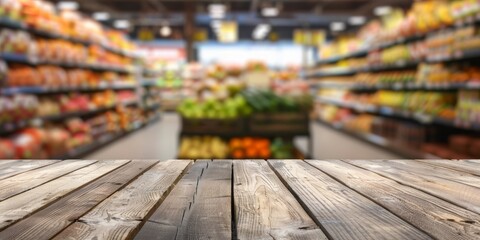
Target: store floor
point(160, 140)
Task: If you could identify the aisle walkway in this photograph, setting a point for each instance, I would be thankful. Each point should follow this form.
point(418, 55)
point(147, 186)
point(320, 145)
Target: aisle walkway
point(160, 140)
point(157, 141)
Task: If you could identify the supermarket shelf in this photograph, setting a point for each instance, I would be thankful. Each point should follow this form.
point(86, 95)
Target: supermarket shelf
point(390, 112)
point(8, 23)
point(102, 142)
point(348, 72)
point(65, 116)
point(400, 65)
point(152, 72)
point(459, 56)
point(23, 59)
point(8, 128)
point(364, 52)
point(470, 85)
point(380, 142)
point(46, 90)
point(148, 82)
point(152, 107)
point(359, 53)
point(418, 37)
point(320, 74)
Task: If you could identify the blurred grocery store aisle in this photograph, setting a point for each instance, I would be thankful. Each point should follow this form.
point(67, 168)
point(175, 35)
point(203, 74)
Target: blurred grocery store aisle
point(157, 141)
point(160, 140)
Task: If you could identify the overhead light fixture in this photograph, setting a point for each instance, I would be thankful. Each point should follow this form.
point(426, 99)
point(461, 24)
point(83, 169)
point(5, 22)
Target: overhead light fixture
point(270, 11)
point(67, 5)
point(382, 10)
point(216, 24)
point(337, 26)
point(261, 31)
point(217, 11)
point(165, 31)
point(357, 20)
point(121, 24)
point(101, 16)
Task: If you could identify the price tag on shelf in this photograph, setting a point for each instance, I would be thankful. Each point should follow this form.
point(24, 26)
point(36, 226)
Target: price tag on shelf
point(37, 122)
point(397, 86)
point(475, 84)
point(423, 118)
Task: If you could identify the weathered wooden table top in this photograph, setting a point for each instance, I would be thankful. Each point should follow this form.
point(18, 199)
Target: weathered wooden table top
point(275, 199)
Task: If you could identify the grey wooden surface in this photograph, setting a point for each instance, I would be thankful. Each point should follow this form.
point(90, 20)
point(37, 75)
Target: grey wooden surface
point(242, 199)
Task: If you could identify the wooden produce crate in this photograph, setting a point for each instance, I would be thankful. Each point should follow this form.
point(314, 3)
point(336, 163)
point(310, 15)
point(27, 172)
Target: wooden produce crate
point(213, 126)
point(279, 124)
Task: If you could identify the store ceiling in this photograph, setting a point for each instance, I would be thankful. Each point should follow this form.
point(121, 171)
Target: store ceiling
point(293, 12)
point(151, 15)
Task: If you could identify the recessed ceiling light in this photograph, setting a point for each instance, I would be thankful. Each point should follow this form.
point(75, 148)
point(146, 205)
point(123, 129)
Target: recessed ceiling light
point(337, 26)
point(270, 12)
point(217, 11)
point(165, 31)
point(357, 20)
point(101, 16)
point(67, 5)
point(261, 31)
point(121, 24)
point(382, 10)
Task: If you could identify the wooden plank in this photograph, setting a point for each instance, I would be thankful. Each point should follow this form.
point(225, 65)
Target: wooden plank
point(468, 166)
point(25, 181)
point(119, 215)
point(199, 207)
point(51, 220)
point(436, 171)
point(2, 162)
point(457, 193)
point(440, 219)
point(10, 168)
point(264, 207)
point(167, 219)
point(340, 211)
point(24, 204)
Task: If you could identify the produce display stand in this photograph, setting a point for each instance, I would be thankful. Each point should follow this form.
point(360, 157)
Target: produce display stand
point(223, 127)
point(239, 199)
point(283, 125)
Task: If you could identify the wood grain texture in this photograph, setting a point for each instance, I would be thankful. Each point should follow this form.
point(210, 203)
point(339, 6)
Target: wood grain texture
point(340, 211)
point(119, 215)
point(168, 218)
point(24, 204)
point(438, 218)
point(10, 168)
point(6, 161)
point(25, 181)
point(453, 191)
point(436, 171)
point(204, 205)
point(264, 207)
point(51, 220)
point(467, 166)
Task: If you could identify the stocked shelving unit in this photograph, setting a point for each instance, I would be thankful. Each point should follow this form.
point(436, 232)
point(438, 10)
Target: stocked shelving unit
point(380, 142)
point(11, 128)
point(325, 79)
point(103, 141)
